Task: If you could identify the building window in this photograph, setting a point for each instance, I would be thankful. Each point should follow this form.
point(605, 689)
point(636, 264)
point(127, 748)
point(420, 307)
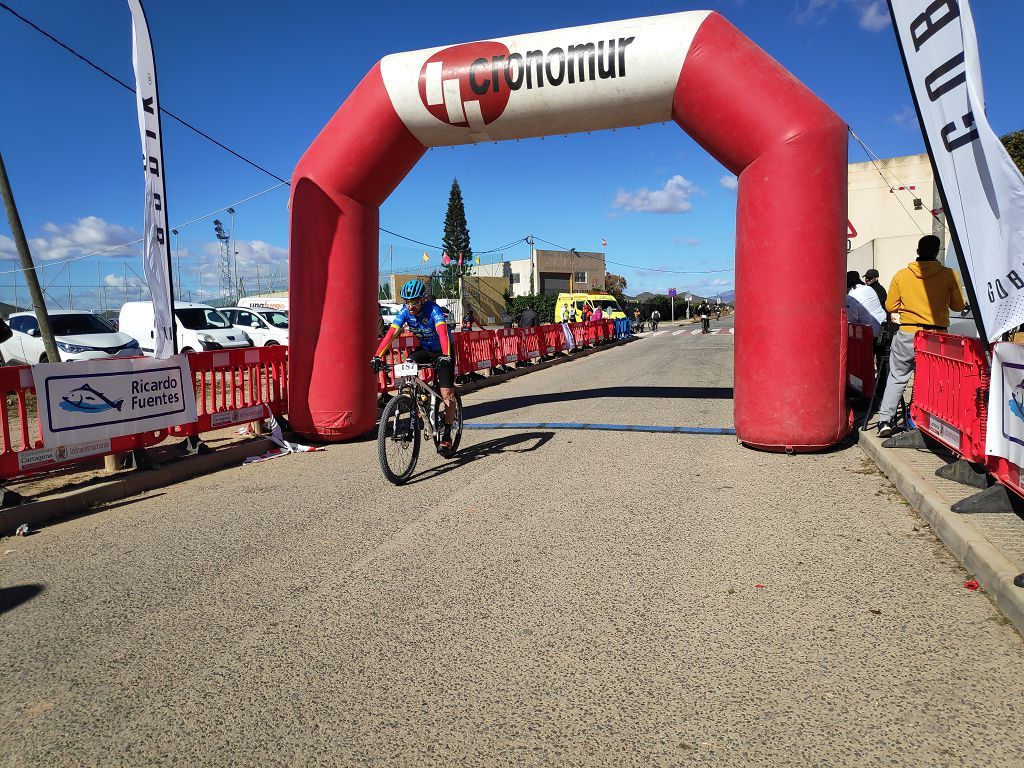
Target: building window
point(514, 278)
point(580, 277)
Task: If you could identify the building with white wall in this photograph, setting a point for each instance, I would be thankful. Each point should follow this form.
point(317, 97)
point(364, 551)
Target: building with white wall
point(890, 209)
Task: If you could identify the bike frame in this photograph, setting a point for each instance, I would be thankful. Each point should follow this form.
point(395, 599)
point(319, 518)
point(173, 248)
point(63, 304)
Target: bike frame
point(410, 385)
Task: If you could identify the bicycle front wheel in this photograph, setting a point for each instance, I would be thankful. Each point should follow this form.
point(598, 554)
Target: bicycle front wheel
point(398, 439)
point(456, 431)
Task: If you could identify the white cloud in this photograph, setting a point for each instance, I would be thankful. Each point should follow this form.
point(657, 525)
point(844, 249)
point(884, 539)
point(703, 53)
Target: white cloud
point(119, 281)
point(86, 235)
point(7, 248)
point(729, 182)
point(872, 15)
point(693, 241)
point(674, 197)
point(906, 117)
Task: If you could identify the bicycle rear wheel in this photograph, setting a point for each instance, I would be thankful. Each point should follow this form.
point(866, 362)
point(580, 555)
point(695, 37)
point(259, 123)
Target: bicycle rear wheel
point(456, 431)
point(398, 439)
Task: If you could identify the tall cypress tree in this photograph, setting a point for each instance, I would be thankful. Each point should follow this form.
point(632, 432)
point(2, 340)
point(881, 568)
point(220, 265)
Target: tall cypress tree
point(455, 242)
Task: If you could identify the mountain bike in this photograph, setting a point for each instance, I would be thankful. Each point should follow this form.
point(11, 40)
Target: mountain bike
point(416, 408)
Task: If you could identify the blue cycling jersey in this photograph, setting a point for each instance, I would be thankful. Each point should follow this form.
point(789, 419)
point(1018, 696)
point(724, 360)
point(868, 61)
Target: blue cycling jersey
point(424, 325)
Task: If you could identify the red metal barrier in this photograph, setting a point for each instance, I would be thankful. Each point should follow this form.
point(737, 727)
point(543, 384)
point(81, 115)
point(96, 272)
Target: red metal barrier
point(399, 350)
point(581, 333)
point(552, 339)
point(474, 351)
point(860, 359)
point(232, 387)
point(951, 381)
point(530, 342)
point(508, 346)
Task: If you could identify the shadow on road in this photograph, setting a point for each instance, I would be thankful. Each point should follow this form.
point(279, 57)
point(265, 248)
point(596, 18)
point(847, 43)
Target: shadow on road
point(12, 597)
point(514, 403)
point(523, 442)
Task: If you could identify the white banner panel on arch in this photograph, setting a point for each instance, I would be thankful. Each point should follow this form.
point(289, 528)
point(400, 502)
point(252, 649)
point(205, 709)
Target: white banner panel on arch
point(589, 78)
point(983, 189)
point(91, 400)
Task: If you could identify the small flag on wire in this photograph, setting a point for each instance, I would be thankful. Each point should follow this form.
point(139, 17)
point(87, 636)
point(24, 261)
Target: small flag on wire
point(478, 261)
point(445, 259)
point(425, 256)
point(604, 243)
point(460, 259)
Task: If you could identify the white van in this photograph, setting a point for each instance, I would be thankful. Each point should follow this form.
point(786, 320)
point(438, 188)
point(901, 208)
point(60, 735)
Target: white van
point(200, 327)
point(266, 327)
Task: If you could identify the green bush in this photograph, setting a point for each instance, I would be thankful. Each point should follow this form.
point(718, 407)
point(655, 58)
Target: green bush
point(544, 304)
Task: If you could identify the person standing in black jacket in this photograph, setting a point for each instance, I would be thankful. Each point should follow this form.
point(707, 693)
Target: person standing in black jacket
point(529, 318)
point(871, 280)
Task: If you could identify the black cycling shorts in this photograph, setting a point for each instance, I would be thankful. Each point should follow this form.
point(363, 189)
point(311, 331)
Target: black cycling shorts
point(445, 373)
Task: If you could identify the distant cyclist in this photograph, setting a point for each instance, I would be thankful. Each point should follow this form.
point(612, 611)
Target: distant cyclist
point(655, 319)
point(704, 310)
point(426, 322)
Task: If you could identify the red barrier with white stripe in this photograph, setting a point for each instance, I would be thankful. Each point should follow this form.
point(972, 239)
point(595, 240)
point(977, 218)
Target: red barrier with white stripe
point(860, 359)
point(232, 387)
point(951, 380)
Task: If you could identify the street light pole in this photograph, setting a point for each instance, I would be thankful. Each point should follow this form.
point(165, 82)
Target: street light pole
point(177, 259)
point(234, 257)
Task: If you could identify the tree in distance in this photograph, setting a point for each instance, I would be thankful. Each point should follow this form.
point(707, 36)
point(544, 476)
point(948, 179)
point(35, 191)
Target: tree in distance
point(455, 242)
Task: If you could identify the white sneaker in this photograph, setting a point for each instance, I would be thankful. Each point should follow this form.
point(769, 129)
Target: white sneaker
point(884, 429)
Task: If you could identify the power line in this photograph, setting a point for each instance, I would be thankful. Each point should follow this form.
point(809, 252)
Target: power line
point(645, 269)
point(125, 85)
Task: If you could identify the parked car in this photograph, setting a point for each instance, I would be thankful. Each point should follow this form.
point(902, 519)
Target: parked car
point(79, 336)
point(199, 326)
point(266, 327)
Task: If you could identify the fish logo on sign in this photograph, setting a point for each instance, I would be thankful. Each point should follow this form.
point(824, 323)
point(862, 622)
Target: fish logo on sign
point(85, 399)
point(1016, 402)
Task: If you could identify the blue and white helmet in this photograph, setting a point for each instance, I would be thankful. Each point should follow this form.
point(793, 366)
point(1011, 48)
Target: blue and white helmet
point(414, 289)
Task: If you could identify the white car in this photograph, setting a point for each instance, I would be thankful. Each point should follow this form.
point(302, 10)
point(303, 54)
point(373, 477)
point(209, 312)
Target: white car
point(199, 327)
point(79, 335)
point(266, 327)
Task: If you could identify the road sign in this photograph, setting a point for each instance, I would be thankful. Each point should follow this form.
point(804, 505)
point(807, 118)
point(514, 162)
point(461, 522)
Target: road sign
point(672, 292)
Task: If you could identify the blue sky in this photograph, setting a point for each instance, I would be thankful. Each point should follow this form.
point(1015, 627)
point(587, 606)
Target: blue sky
point(264, 77)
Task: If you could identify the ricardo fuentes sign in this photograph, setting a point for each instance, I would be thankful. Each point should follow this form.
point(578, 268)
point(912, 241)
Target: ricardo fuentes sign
point(82, 402)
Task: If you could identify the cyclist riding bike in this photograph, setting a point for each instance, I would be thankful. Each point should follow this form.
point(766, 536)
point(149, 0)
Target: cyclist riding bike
point(426, 322)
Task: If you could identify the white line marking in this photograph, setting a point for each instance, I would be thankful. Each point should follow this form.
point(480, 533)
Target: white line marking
point(676, 333)
point(434, 94)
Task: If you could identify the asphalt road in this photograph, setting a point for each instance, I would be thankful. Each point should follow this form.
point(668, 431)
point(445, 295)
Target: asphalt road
point(547, 598)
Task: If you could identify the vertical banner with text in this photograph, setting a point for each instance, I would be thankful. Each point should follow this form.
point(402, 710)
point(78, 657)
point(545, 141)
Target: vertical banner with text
point(982, 189)
point(156, 249)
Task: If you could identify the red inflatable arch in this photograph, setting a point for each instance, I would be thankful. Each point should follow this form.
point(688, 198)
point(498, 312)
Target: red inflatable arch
point(787, 148)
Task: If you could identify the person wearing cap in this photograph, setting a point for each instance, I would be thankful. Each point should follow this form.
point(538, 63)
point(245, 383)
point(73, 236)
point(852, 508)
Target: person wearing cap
point(871, 281)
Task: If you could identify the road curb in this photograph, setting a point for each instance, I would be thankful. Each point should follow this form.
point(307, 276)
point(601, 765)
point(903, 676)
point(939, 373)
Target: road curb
point(994, 572)
point(36, 513)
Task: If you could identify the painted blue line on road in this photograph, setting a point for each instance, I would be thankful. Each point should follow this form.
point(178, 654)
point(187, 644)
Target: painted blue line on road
point(605, 427)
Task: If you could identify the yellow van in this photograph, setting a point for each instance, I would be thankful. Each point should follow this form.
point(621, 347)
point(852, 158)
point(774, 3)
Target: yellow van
point(577, 301)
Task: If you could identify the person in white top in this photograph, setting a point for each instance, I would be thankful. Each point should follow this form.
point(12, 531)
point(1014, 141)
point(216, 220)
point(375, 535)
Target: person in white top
point(862, 304)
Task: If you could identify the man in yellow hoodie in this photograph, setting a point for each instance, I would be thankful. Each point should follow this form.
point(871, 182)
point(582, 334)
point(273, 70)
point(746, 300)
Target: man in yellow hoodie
point(922, 294)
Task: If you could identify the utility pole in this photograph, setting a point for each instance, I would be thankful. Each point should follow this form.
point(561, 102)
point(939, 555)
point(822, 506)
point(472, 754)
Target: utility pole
point(533, 263)
point(52, 353)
